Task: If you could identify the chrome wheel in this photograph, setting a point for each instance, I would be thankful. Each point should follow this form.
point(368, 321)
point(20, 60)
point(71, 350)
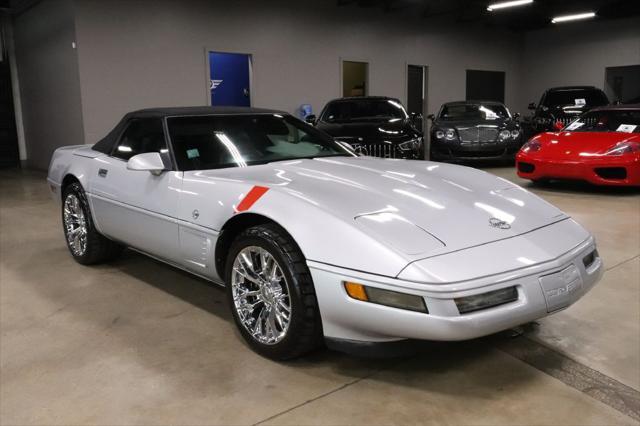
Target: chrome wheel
point(261, 295)
point(75, 225)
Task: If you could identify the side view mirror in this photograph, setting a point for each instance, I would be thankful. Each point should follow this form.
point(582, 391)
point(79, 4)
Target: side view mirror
point(532, 105)
point(147, 162)
point(516, 115)
point(311, 119)
point(431, 117)
point(558, 125)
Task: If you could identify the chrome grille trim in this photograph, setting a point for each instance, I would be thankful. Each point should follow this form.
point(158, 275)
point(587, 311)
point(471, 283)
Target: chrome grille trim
point(478, 134)
point(380, 150)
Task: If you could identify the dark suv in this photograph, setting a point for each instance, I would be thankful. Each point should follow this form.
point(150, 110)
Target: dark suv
point(563, 104)
point(376, 126)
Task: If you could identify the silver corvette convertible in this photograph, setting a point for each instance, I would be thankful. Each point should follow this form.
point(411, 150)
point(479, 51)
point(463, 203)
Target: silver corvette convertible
point(314, 243)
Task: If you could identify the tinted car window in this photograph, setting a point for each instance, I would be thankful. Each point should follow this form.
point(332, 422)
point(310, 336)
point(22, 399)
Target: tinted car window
point(361, 109)
point(212, 142)
point(473, 112)
point(627, 121)
point(589, 97)
point(141, 136)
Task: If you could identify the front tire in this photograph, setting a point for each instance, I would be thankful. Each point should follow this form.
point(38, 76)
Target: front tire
point(86, 244)
point(271, 293)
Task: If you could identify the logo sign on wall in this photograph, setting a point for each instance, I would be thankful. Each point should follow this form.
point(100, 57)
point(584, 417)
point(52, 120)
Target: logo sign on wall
point(214, 83)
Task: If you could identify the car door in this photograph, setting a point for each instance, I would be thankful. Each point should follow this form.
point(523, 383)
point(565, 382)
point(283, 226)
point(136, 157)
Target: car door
point(138, 207)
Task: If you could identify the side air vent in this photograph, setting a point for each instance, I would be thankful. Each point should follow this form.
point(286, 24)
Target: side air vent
point(613, 173)
point(526, 167)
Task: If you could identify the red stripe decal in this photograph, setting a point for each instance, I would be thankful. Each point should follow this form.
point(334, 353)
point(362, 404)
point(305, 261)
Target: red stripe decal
point(253, 196)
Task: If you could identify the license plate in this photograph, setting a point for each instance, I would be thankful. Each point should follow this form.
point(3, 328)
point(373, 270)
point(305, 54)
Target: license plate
point(561, 288)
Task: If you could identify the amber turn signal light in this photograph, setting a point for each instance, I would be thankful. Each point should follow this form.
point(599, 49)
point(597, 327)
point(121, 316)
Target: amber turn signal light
point(356, 291)
point(385, 297)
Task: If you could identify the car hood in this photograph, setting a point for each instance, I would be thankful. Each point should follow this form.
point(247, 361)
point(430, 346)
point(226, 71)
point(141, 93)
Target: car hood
point(581, 145)
point(453, 204)
point(374, 130)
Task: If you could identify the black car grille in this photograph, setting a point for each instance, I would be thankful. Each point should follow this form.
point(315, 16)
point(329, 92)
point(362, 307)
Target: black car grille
point(565, 120)
point(478, 134)
point(380, 150)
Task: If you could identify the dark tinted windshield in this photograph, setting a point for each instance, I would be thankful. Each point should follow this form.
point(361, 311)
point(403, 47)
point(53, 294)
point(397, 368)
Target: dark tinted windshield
point(473, 112)
point(213, 142)
point(578, 97)
point(363, 109)
point(627, 121)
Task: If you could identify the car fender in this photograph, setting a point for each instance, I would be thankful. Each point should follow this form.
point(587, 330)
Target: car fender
point(325, 238)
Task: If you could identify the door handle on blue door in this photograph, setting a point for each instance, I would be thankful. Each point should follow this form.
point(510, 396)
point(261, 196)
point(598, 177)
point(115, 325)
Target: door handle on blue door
point(103, 172)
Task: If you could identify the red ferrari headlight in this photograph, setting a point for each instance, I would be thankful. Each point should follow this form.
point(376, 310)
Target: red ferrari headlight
point(531, 146)
point(622, 148)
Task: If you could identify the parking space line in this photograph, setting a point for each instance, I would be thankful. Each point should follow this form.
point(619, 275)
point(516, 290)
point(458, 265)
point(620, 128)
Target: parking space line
point(622, 263)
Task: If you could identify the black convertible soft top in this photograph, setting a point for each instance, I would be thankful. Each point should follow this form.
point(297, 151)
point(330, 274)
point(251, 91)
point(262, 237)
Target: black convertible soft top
point(107, 143)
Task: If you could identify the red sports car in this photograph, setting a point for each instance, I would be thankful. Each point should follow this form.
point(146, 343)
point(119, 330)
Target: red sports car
point(602, 146)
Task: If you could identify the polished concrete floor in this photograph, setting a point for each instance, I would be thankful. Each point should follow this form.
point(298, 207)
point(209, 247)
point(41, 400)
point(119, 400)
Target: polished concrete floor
point(137, 342)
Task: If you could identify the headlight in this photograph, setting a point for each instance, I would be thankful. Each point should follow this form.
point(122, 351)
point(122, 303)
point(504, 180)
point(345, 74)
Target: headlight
point(379, 296)
point(531, 146)
point(413, 144)
point(515, 134)
point(450, 134)
point(439, 134)
point(505, 134)
point(622, 148)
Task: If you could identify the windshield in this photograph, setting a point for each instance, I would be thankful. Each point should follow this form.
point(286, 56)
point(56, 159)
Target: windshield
point(473, 112)
point(576, 97)
point(363, 109)
point(213, 142)
point(626, 121)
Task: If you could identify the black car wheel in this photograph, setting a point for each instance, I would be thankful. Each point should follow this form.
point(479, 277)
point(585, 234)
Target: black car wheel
point(271, 293)
point(86, 244)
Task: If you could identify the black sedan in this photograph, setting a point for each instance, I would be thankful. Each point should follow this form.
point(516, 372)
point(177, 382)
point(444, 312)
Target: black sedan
point(474, 130)
point(373, 125)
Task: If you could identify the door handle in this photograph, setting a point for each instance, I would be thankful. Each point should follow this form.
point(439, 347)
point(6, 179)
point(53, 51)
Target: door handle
point(103, 172)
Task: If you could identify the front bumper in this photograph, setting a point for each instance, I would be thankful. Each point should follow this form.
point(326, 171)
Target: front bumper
point(457, 152)
point(542, 289)
point(613, 171)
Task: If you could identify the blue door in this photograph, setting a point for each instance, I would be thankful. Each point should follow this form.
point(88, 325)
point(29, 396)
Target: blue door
point(229, 74)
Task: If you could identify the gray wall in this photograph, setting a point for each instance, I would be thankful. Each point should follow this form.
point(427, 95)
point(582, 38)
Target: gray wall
point(576, 54)
point(136, 54)
point(139, 54)
point(49, 80)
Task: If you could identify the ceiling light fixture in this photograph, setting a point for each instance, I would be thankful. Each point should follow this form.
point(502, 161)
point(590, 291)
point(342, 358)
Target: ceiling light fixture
point(502, 5)
point(575, 17)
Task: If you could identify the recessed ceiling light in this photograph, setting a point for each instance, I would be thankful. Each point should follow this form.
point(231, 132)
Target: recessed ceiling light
point(502, 5)
point(575, 17)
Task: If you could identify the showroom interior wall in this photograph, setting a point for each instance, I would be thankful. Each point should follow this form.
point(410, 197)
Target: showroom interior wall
point(136, 54)
point(576, 54)
point(49, 80)
point(139, 54)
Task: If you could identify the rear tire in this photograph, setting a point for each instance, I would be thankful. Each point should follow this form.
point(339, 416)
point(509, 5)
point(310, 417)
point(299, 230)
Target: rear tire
point(85, 243)
point(271, 293)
